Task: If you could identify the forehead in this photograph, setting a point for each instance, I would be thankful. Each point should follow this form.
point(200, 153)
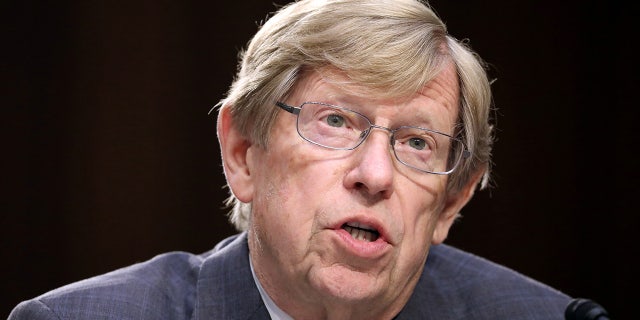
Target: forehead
point(436, 102)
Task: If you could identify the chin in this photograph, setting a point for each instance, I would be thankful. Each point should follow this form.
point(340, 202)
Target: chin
point(341, 282)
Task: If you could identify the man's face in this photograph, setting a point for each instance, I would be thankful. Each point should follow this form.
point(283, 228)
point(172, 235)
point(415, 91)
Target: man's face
point(313, 206)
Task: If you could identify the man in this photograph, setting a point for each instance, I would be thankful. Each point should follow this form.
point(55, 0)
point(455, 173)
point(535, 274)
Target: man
point(353, 135)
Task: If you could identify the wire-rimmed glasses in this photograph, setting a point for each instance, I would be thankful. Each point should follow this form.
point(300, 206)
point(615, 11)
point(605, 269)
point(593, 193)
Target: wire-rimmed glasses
point(338, 128)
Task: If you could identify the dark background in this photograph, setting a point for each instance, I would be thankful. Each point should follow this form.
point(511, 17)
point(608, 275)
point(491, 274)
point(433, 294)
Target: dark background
point(109, 156)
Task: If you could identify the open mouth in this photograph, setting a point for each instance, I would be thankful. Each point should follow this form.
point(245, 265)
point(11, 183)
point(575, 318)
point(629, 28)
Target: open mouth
point(361, 231)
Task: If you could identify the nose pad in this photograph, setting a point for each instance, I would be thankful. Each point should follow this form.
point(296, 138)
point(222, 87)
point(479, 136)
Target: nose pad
point(371, 144)
point(390, 134)
point(392, 141)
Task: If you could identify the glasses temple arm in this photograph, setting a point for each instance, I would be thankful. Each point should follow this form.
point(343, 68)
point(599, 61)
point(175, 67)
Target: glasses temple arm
point(288, 108)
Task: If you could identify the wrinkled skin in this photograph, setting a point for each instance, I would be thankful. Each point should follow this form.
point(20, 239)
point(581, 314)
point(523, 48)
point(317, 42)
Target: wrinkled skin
point(303, 194)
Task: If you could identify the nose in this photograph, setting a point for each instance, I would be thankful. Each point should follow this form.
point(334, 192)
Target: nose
point(373, 169)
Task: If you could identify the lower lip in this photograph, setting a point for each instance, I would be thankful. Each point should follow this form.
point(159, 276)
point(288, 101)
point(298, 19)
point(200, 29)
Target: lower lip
point(364, 249)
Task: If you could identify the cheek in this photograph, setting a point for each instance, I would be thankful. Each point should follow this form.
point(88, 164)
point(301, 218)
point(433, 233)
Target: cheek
point(285, 204)
point(421, 212)
point(284, 180)
point(294, 170)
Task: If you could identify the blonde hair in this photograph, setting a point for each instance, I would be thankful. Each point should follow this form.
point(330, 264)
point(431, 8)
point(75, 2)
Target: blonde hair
point(391, 47)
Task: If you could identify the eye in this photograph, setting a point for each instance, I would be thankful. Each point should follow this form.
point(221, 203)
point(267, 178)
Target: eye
point(335, 120)
point(417, 143)
point(415, 140)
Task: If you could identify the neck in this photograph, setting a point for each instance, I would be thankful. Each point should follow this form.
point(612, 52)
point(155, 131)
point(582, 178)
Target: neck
point(300, 300)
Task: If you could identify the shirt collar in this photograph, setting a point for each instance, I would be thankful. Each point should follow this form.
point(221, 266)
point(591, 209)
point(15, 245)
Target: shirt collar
point(275, 312)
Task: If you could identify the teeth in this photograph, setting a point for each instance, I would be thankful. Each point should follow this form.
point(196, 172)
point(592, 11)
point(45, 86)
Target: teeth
point(361, 231)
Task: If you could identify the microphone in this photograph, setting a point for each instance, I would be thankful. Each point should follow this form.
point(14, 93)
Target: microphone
point(585, 309)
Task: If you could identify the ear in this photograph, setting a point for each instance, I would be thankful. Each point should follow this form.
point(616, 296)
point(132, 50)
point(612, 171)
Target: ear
point(453, 204)
point(235, 151)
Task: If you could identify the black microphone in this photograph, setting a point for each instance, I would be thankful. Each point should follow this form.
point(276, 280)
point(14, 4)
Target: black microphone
point(585, 309)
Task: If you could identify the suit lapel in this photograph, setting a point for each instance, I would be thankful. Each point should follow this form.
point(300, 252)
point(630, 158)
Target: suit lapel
point(225, 288)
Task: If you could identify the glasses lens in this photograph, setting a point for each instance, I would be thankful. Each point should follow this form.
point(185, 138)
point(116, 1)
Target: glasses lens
point(335, 127)
point(331, 126)
point(425, 149)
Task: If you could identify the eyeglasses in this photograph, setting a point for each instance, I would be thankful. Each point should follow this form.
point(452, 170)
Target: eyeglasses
point(339, 128)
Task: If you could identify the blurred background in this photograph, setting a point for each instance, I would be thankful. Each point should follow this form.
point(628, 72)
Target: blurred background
point(111, 158)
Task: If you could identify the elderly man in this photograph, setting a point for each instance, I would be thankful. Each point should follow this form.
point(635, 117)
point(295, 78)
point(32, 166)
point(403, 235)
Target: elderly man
point(352, 136)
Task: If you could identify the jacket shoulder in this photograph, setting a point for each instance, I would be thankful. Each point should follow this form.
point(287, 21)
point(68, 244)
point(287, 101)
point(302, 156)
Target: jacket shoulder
point(160, 288)
point(460, 285)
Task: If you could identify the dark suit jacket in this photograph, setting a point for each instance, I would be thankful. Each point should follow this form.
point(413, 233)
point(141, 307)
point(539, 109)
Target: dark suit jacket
point(218, 285)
